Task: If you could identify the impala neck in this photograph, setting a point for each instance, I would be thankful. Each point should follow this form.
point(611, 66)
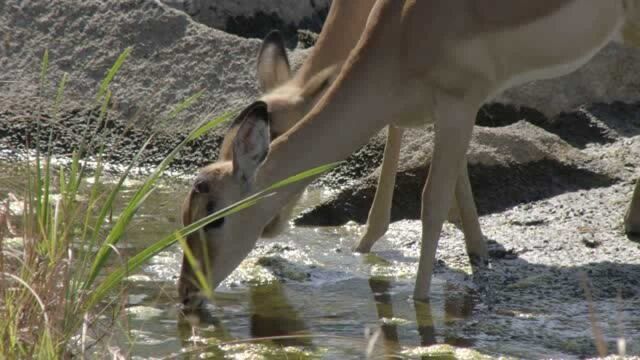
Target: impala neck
point(340, 34)
point(358, 105)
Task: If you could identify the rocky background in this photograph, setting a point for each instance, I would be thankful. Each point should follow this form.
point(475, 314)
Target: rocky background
point(533, 142)
point(255, 18)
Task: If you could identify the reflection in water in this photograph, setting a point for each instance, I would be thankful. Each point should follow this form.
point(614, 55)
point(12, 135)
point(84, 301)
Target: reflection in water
point(426, 327)
point(195, 327)
point(458, 305)
point(272, 315)
point(380, 288)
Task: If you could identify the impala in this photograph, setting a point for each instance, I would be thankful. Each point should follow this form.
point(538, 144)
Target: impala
point(415, 62)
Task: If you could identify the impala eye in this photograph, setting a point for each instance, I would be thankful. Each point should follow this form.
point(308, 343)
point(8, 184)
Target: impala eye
point(201, 186)
point(216, 223)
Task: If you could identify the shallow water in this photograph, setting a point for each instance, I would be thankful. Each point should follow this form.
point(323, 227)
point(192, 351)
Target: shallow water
point(320, 300)
point(308, 284)
point(305, 283)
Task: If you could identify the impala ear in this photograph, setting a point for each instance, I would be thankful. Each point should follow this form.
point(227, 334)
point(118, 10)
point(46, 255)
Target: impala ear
point(273, 64)
point(251, 143)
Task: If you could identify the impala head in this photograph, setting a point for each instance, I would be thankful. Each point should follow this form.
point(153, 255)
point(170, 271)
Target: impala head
point(221, 246)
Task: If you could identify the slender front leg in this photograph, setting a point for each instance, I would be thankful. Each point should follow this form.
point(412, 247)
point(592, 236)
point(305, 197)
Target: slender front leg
point(380, 212)
point(632, 218)
point(454, 125)
point(476, 246)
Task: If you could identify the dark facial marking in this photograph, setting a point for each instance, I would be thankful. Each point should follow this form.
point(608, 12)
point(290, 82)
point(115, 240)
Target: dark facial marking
point(216, 223)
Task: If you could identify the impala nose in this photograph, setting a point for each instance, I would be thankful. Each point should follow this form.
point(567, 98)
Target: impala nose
point(192, 299)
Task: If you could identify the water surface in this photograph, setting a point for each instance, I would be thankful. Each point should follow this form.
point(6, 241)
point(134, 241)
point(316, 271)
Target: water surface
point(305, 295)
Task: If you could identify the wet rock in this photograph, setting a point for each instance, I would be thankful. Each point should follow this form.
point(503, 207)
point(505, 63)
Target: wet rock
point(22, 127)
point(283, 269)
point(144, 313)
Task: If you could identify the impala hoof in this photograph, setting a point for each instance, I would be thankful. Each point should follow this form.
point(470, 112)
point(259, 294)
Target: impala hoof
point(632, 223)
point(368, 240)
point(362, 249)
point(479, 260)
point(632, 231)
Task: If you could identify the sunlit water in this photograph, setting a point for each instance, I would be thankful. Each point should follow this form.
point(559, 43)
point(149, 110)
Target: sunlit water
point(315, 298)
point(305, 284)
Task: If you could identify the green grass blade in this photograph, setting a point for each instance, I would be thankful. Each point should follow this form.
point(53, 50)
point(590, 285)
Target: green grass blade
point(60, 95)
point(44, 70)
point(210, 124)
point(200, 276)
point(135, 202)
point(185, 104)
point(118, 229)
point(111, 74)
point(303, 175)
point(115, 277)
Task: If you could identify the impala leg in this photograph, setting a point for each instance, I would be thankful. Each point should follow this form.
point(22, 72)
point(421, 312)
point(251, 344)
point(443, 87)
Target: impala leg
point(476, 246)
point(454, 125)
point(380, 212)
point(632, 218)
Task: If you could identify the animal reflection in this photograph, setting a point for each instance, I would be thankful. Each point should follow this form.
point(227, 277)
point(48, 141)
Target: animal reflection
point(272, 319)
point(458, 305)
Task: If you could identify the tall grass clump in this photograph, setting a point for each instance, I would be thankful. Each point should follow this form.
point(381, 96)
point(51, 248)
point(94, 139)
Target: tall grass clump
point(55, 292)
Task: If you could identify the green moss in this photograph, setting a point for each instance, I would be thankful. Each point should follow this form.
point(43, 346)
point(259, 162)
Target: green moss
point(444, 352)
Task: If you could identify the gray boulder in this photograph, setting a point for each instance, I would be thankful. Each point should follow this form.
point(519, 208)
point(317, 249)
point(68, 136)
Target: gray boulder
point(612, 75)
point(172, 58)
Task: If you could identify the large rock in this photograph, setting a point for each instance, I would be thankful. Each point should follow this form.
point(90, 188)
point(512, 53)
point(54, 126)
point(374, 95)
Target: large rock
point(173, 57)
point(255, 18)
point(612, 75)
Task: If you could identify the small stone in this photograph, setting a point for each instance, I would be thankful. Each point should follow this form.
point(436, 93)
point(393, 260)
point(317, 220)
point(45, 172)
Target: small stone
point(591, 243)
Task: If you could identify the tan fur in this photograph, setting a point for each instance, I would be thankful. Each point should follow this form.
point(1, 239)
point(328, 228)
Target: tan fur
point(421, 60)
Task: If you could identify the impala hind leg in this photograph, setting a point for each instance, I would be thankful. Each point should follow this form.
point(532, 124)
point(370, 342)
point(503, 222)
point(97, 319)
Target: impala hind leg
point(476, 246)
point(632, 218)
point(380, 212)
point(454, 125)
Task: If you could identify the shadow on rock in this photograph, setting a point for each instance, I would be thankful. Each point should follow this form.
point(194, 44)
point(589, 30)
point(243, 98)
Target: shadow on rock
point(597, 123)
point(496, 188)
